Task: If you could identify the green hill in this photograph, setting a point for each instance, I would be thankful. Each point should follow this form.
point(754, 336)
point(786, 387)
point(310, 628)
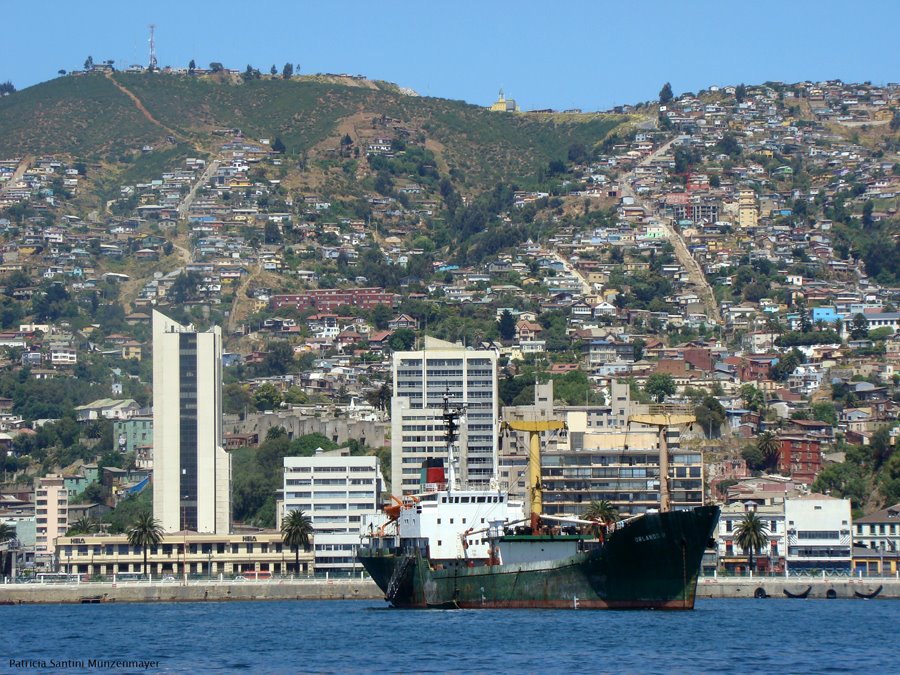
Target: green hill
point(90, 117)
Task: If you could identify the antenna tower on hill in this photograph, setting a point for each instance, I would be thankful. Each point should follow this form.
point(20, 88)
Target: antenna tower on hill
point(152, 48)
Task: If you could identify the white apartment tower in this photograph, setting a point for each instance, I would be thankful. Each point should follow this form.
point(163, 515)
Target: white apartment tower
point(421, 381)
point(337, 492)
point(191, 470)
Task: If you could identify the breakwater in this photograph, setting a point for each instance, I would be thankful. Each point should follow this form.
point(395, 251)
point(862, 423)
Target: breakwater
point(192, 591)
point(799, 587)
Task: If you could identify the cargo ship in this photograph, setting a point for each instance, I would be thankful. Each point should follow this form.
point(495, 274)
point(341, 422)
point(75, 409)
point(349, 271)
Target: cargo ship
point(454, 548)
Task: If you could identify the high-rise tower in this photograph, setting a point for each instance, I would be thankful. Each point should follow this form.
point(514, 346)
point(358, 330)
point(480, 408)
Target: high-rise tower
point(191, 470)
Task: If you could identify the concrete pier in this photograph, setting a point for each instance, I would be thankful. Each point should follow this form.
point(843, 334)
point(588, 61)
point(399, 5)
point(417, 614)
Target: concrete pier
point(819, 588)
point(193, 591)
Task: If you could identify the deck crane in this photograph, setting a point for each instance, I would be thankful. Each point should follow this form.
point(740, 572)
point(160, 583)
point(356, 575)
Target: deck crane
point(662, 417)
point(534, 429)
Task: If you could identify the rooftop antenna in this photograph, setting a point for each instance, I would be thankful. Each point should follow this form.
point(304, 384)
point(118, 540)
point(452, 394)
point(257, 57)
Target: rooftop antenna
point(152, 48)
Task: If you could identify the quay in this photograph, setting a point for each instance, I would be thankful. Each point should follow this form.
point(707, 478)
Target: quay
point(799, 587)
point(192, 591)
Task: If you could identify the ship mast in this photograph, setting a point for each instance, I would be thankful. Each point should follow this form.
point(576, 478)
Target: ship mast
point(534, 429)
point(663, 417)
point(451, 430)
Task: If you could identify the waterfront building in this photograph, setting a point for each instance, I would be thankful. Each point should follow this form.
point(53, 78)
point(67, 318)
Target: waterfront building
point(421, 380)
point(876, 541)
point(191, 470)
point(51, 516)
point(731, 557)
point(179, 553)
point(819, 533)
point(337, 492)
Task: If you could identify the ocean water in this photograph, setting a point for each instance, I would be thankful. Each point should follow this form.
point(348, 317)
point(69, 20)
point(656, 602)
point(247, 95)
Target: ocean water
point(719, 636)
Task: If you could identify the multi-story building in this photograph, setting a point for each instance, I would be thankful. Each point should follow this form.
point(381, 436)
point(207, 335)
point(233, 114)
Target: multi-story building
point(732, 557)
point(599, 456)
point(336, 492)
point(748, 209)
point(133, 433)
point(51, 514)
point(329, 299)
point(422, 379)
point(191, 470)
point(879, 534)
point(208, 555)
point(818, 533)
point(799, 456)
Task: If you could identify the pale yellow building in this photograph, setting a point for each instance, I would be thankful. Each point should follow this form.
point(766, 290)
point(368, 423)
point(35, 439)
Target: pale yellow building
point(51, 514)
point(748, 208)
point(207, 555)
point(503, 104)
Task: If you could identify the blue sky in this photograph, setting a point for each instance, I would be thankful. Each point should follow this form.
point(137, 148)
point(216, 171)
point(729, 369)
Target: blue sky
point(589, 55)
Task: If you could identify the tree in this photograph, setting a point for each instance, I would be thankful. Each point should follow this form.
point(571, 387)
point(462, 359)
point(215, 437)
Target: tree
point(279, 359)
point(144, 533)
point(753, 457)
point(710, 415)
point(83, 525)
point(867, 219)
point(751, 535)
point(859, 327)
point(381, 315)
point(506, 326)
point(288, 71)
point(89, 63)
point(7, 532)
point(278, 145)
point(402, 340)
point(767, 443)
point(266, 397)
point(192, 66)
point(752, 397)
point(216, 67)
point(740, 93)
point(296, 530)
point(665, 94)
point(603, 514)
point(8, 88)
point(273, 71)
point(659, 386)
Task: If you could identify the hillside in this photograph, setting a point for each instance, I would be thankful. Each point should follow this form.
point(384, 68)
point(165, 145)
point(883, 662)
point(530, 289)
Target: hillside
point(89, 116)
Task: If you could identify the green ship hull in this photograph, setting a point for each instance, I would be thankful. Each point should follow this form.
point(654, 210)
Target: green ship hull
point(650, 563)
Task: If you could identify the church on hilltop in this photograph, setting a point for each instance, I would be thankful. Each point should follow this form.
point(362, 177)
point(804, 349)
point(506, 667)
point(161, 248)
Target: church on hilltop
point(504, 104)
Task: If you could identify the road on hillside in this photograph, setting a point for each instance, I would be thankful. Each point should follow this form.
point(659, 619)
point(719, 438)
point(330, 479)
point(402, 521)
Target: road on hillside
point(570, 268)
point(185, 205)
point(695, 273)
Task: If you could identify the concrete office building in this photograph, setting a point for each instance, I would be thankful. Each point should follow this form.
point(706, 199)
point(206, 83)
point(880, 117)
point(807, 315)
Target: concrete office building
point(421, 380)
point(336, 491)
point(191, 470)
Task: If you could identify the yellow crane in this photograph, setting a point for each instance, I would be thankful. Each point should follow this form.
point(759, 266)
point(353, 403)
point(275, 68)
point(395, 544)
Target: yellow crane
point(534, 429)
point(662, 418)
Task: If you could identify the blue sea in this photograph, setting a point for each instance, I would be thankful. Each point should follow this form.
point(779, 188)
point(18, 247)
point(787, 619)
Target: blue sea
point(719, 636)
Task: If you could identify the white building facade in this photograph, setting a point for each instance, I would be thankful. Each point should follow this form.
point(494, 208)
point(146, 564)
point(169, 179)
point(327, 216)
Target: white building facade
point(421, 381)
point(191, 470)
point(337, 493)
point(818, 533)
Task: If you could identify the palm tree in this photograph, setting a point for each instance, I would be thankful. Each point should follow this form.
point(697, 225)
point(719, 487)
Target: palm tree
point(751, 535)
point(767, 443)
point(145, 532)
point(7, 532)
point(83, 525)
point(295, 532)
point(602, 513)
